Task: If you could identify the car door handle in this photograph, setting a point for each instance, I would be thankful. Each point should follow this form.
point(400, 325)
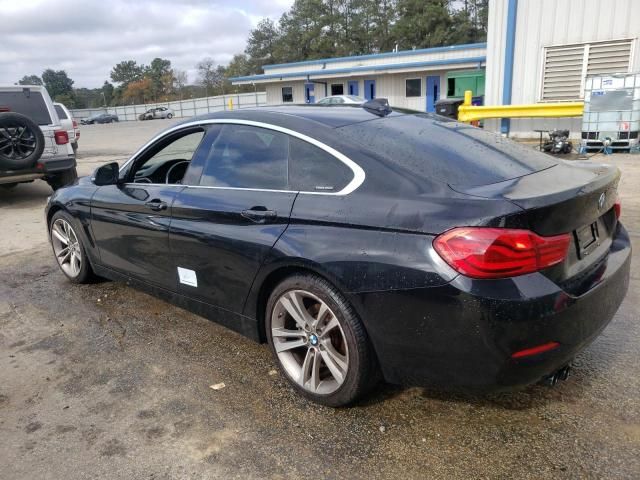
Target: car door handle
point(259, 214)
point(156, 205)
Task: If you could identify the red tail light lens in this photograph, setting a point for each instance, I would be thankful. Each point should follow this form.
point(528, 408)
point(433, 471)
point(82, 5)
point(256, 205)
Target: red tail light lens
point(61, 136)
point(617, 207)
point(499, 252)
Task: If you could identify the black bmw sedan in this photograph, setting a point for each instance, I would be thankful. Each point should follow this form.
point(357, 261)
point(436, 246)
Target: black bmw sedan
point(361, 245)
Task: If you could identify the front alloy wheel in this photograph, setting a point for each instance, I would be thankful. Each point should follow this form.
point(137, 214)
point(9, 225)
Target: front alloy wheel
point(68, 249)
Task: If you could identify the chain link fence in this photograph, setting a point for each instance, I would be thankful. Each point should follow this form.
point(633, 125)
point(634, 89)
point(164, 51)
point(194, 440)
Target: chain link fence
point(181, 108)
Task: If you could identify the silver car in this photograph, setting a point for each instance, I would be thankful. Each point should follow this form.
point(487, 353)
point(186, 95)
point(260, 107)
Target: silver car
point(342, 100)
point(158, 112)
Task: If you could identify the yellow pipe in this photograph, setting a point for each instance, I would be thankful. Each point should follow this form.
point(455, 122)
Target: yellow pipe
point(468, 95)
point(468, 113)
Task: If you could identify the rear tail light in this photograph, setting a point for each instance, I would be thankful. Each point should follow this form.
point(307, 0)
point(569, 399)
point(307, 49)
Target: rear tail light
point(4, 108)
point(499, 252)
point(61, 136)
point(617, 207)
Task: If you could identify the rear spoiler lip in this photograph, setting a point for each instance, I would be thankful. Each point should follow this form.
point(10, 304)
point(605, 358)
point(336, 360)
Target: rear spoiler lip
point(560, 199)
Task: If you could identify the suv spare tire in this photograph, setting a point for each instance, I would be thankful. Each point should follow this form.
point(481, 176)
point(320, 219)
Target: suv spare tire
point(21, 142)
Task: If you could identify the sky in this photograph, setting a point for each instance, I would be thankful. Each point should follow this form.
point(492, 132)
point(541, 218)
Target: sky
point(86, 38)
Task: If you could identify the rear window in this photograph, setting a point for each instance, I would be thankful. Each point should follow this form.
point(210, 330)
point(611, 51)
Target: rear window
point(444, 150)
point(28, 103)
point(61, 113)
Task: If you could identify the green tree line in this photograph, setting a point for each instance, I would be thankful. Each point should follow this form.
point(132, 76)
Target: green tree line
point(310, 29)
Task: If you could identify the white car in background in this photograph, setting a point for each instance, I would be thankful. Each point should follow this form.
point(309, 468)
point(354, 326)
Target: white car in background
point(342, 100)
point(69, 124)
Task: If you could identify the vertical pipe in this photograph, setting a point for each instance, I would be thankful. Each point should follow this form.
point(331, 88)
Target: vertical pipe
point(510, 43)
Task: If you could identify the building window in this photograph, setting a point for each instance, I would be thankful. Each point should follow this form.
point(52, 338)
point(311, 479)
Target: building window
point(413, 87)
point(287, 94)
point(337, 89)
point(567, 66)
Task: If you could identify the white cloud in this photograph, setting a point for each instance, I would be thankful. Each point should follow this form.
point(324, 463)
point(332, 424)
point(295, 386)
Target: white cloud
point(87, 37)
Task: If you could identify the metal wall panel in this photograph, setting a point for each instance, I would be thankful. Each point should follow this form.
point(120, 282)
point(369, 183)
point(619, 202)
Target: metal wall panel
point(543, 23)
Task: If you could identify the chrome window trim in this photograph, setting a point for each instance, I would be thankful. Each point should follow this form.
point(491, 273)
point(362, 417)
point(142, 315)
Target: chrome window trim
point(358, 173)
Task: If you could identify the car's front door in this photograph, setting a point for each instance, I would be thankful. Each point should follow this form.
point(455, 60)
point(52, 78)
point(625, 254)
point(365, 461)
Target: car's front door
point(225, 223)
point(130, 221)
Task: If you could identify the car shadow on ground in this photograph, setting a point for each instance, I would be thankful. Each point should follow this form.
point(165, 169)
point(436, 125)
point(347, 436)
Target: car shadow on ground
point(25, 194)
point(530, 397)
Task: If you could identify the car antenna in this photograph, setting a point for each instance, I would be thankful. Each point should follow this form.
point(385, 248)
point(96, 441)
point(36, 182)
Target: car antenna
point(378, 106)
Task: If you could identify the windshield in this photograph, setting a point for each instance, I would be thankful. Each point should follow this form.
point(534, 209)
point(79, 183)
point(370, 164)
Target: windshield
point(436, 148)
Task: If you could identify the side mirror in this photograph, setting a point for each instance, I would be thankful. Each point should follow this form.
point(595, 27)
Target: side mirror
point(108, 174)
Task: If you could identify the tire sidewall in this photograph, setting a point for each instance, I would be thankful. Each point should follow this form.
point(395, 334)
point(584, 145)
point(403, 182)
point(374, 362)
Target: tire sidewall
point(340, 307)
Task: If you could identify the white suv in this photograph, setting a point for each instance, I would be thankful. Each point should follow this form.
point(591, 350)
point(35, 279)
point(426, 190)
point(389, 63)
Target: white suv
point(69, 124)
point(33, 144)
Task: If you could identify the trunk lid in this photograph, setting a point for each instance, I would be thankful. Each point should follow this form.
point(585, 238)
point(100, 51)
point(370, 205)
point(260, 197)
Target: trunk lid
point(575, 198)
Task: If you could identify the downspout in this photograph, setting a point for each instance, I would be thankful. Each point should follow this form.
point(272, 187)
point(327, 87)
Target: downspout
point(510, 44)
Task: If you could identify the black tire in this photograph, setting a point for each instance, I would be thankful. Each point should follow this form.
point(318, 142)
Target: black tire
point(62, 179)
point(86, 274)
point(75, 147)
point(362, 373)
point(21, 142)
point(170, 116)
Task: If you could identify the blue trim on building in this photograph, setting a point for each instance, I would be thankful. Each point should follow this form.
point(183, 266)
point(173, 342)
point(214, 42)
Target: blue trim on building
point(510, 44)
point(469, 46)
point(365, 68)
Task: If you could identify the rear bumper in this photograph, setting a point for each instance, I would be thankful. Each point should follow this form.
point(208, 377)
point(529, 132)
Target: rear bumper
point(57, 164)
point(44, 168)
point(462, 335)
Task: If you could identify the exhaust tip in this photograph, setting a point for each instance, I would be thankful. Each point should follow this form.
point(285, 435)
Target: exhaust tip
point(561, 374)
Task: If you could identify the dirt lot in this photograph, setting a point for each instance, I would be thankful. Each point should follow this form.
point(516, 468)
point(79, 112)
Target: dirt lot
point(101, 381)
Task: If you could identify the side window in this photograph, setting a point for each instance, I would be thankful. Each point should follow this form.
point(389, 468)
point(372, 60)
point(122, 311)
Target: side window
point(311, 169)
point(247, 157)
point(167, 161)
point(61, 113)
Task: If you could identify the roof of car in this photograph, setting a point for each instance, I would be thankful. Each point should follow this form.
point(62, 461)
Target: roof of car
point(330, 116)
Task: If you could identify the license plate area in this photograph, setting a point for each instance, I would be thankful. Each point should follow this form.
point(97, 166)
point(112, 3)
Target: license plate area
point(587, 239)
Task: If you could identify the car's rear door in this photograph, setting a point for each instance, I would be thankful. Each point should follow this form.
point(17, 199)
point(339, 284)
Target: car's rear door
point(130, 222)
point(234, 207)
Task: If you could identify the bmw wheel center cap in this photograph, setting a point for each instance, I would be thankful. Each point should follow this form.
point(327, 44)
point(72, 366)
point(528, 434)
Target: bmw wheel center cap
point(313, 339)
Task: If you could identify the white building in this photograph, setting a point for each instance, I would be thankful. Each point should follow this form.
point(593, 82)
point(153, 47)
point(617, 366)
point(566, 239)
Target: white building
point(410, 79)
point(536, 51)
point(542, 51)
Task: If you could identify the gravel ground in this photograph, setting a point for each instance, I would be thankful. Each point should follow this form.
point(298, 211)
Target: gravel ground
point(102, 381)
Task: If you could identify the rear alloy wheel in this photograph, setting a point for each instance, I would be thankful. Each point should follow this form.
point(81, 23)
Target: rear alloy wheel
point(68, 249)
point(318, 341)
point(170, 116)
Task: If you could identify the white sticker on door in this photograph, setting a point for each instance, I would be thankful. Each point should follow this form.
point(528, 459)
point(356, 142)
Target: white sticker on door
point(188, 277)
